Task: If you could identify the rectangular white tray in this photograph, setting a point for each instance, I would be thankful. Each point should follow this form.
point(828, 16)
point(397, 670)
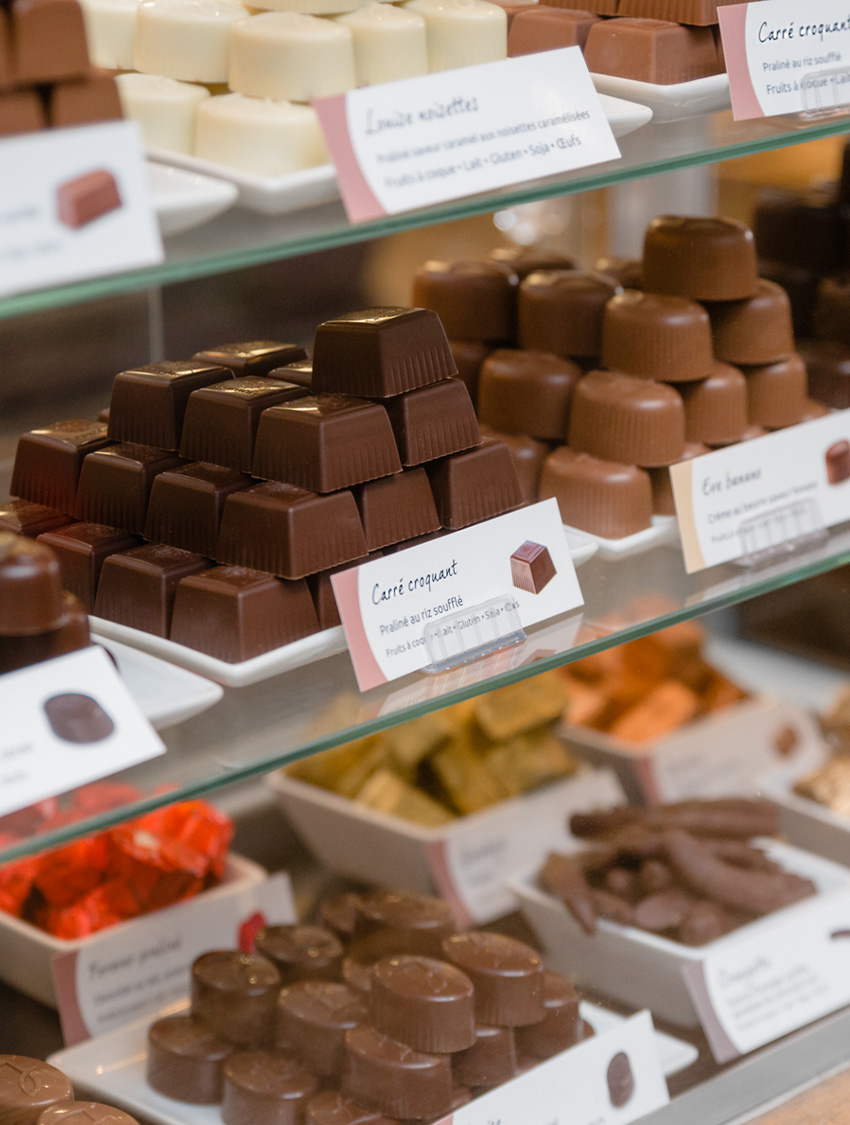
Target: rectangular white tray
point(675, 102)
point(166, 695)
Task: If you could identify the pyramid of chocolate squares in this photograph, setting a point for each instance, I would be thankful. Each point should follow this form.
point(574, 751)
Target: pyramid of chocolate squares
point(280, 470)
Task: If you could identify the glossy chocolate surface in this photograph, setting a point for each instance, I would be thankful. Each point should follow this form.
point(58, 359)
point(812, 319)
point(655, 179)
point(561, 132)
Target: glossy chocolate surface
point(559, 1028)
point(334, 1108)
point(620, 417)
point(651, 50)
point(433, 421)
point(84, 1113)
point(82, 549)
point(252, 357)
point(474, 300)
point(28, 1086)
point(417, 922)
point(425, 1003)
point(381, 352)
point(716, 407)
point(115, 484)
point(396, 508)
point(23, 517)
point(148, 403)
point(30, 587)
point(185, 505)
point(312, 1019)
point(394, 1079)
point(777, 392)
point(522, 392)
point(606, 498)
point(706, 259)
point(235, 995)
point(301, 952)
point(339, 914)
point(532, 568)
point(137, 587)
point(625, 271)
point(265, 1088)
point(527, 455)
point(491, 1059)
point(49, 39)
point(48, 461)
point(543, 28)
point(756, 330)
point(656, 336)
point(475, 485)
point(70, 633)
point(560, 311)
point(507, 976)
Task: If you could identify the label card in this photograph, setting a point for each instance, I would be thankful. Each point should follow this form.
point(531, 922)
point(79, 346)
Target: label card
point(74, 203)
point(424, 140)
point(144, 965)
point(758, 989)
point(783, 487)
point(387, 605)
point(784, 58)
point(66, 722)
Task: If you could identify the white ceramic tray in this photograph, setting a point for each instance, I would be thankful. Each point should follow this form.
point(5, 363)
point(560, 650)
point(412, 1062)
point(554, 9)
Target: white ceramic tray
point(664, 529)
point(26, 951)
point(809, 824)
point(183, 200)
point(670, 103)
point(166, 695)
point(624, 116)
point(112, 1067)
point(273, 195)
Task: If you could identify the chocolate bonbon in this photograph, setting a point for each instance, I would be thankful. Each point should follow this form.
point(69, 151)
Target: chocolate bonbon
point(393, 1079)
point(235, 995)
point(85, 198)
point(82, 549)
point(425, 1003)
point(525, 392)
point(31, 585)
point(186, 503)
point(333, 1108)
point(49, 40)
point(48, 461)
point(84, 101)
point(523, 260)
point(291, 56)
point(433, 421)
point(265, 1088)
point(301, 952)
point(624, 418)
point(29, 1086)
point(186, 1060)
point(148, 403)
point(755, 330)
point(527, 455)
point(561, 311)
point(657, 336)
point(474, 300)
point(403, 922)
point(706, 259)
point(662, 488)
point(84, 1113)
point(475, 485)
point(559, 1028)
point(507, 976)
point(532, 568)
point(543, 28)
point(716, 407)
point(312, 1019)
point(606, 498)
point(396, 508)
point(23, 517)
point(137, 587)
point(251, 357)
point(115, 484)
point(777, 392)
point(491, 1059)
point(651, 50)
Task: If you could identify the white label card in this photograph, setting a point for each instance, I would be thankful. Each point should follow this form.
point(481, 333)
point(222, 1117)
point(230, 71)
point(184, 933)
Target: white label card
point(143, 966)
point(758, 989)
point(74, 203)
point(782, 57)
point(387, 606)
point(66, 722)
point(757, 494)
point(442, 136)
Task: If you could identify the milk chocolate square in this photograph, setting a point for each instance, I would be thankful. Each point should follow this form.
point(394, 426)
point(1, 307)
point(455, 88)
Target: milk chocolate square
point(433, 421)
point(48, 461)
point(85, 198)
point(651, 50)
point(137, 587)
point(115, 484)
point(396, 508)
point(7, 73)
point(82, 549)
point(541, 27)
point(185, 505)
point(838, 462)
point(532, 568)
point(252, 357)
point(148, 403)
point(300, 373)
point(82, 101)
point(49, 40)
point(474, 486)
point(21, 111)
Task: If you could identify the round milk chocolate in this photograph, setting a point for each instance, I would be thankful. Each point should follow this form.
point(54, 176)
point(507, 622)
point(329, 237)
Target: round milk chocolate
point(265, 1088)
point(28, 1087)
point(393, 1079)
point(716, 407)
point(186, 1060)
point(605, 498)
point(425, 1003)
point(755, 330)
point(417, 922)
point(521, 392)
point(235, 995)
point(559, 1028)
point(560, 311)
point(777, 392)
point(527, 455)
point(30, 587)
point(625, 271)
point(657, 337)
point(312, 1019)
point(828, 367)
point(301, 952)
point(490, 1060)
point(662, 489)
point(623, 418)
point(523, 260)
point(706, 259)
point(507, 976)
point(84, 1113)
point(334, 1108)
point(474, 300)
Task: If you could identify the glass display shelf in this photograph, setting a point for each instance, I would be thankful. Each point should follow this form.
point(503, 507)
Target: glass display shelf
point(255, 729)
point(242, 238)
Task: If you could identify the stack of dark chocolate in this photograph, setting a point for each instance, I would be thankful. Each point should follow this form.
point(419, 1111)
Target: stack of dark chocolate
point(387, 1010)
point(600, 380)
point(229, 458)
point(45, 77)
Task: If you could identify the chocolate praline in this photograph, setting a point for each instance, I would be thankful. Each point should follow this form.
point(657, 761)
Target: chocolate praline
point(265, 1088)
point(605, 498)
point(706, 259)
point(507, 976)
point(84, 1113)
point(561, 311)
point(301, 952)
point(624, 418)
point(474, 300)
point(29, 1086)
point(522, 392)
point(186, 1060)
point(312, 1019)
point(235, 995)
point(425, 1003)
point(657, 336)
point(420, 921)
point(394, 1079)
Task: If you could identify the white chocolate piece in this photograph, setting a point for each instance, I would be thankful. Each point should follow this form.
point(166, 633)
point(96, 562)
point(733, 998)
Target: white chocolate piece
point(185, 39)
point(287, 55)
point(462, 32)
point(312, 7)
point(164, 108)
point(389, 43)
point(110, 31)
point(263, 138)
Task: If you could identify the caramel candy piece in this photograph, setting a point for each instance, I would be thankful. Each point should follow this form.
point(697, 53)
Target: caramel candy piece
point(49, 40)
point(756, 330)
point(396, 508)
point(777, 392)
point(657, 337)
point(662, 489)
point(474, 486)
point(433, 421)
point(115, 484)
point(185, 505)
point(48, 461)
point(186, 1060)
point(828, 367)
point(301, 952)
point(312, 1019)
point(527, 455)
point(235, 995)
point(522, 392)
point(490, 1060)
point(561, 311)
point(523, 260)
point(474, 300)
point(265, 1088)
point(325, 442)
point(837, 459)
point(619, 417)
point(235, 614)
point(221, 420)
point(137, 587)
point(543, 28)
point(559, 1028)
point(289, 531)
point(408, 922)
point(252, 357)
point(425, 1003)
point(148, 403)
point(31, 585)
point(82, 101)
point(381, 352)
point(394, 1079)
point(29, 1086)
point(603, 497)
point(507, 976)
point(468, 356)
point(23, 517)
point(701, 258)
point(84, 1113)
point(88, 197)
point(716, 407)
point(651, 50)
point(82, 549)
point(21, 111)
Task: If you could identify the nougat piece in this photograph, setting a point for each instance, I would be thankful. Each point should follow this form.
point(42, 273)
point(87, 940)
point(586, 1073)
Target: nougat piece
point(344, 767)
point(521, 706)
point(388, 793)
point(463, 774)
point(410, 743)
point(529, 761)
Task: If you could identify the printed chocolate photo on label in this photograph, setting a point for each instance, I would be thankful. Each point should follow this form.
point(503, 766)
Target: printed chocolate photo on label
point(837, 459)
point(74, 717)
point(532, 568)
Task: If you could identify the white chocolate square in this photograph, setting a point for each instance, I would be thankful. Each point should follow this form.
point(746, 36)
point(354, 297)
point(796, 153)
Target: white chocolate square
point(389, 43)
point(164, 108)
point(462, 32)
point(110, 31)
point(287, 55)
point(262, 138)
point(185, 39)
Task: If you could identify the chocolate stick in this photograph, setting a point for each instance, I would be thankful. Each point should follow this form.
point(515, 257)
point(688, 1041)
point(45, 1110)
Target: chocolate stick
point(564, 877)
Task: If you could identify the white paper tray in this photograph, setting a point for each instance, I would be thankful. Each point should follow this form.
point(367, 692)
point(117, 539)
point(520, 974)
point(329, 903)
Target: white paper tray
point(624, 116)
point(183, 200)
point(112, 1067)
point(664, 529)
point(670, 103)
point(165, 694)
point(809, 824)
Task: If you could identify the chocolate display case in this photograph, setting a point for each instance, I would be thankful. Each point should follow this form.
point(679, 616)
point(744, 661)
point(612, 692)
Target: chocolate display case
point(258, 728)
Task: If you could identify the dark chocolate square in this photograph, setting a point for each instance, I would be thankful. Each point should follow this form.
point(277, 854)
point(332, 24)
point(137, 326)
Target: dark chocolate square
point(396, 508)
point(82, 549)
point(252, 357)
point(25, 518)
point(115, 484)
point(48, 461)
point(474, 486)
point(185, 505)
point(148, 403)
point(137, 587)
point(433, 421)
